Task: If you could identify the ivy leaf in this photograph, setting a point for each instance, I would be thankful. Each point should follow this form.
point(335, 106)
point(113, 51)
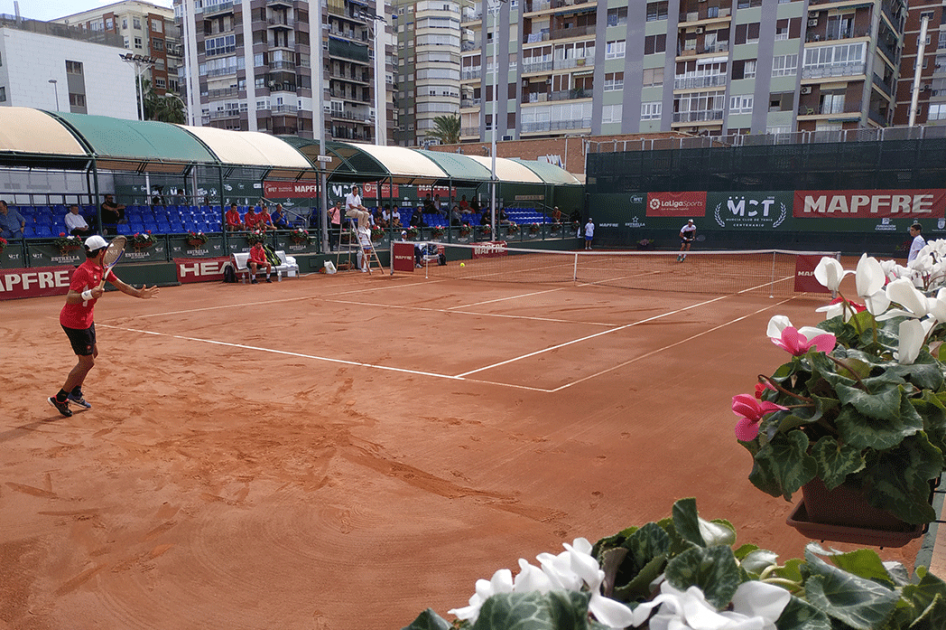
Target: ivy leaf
point(428, 620)
point(861, 431)
point(784, 465)
point(883, 405)
point(800, 615)
point(927, 599)
point(924, 372)
point(555, 610)
point(933, 412)
point(897, 480)
point(713, 569)
point(863, 563)
point(647, 550)
point(858, 602)
point(836, 462)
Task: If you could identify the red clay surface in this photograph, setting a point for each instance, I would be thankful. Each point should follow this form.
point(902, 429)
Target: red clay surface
point(341, 452)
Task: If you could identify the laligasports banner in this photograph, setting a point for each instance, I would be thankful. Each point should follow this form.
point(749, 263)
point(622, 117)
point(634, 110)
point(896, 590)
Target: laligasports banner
point(676, 204)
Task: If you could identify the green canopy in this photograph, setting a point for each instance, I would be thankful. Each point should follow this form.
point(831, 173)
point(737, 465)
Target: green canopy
point(550, 173)
point(131, 145)
point(458, 167)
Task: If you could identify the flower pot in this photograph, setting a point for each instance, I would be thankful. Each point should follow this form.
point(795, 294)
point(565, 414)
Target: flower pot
point(195, 243)
point(844, 515)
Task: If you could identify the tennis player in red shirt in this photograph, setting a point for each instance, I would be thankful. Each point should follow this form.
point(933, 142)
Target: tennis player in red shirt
point(256, 261)
point(76, 320)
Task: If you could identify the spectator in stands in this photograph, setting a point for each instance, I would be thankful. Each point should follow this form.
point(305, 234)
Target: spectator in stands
point(76, 224)
point(417, 219)
point(157, 198)
point(265, 220)
point(502, 218)
point(429, 204)
point(384, 219)
point(251, 219)
point(11, 222)
point(484, 220)
point(395, 219)
point(440, 207)
point(279, 218)
point(233, 220)
point(335, 229)
point(112, 214)
point(475, 205)
point(257, 261)
point(456, 217)
point(464, 204)
point(556, 215)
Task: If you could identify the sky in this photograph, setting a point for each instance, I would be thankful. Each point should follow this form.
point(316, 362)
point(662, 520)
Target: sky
point(46, 10)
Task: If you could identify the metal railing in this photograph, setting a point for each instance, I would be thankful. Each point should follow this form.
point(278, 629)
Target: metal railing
point(556, 125)
point(690, 83)
point(706, 115)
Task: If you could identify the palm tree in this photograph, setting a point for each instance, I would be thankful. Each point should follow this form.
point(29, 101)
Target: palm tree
point(169, 108)
point(446, 129)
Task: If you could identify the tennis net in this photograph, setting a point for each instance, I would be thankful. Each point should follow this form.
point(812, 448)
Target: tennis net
point(771, 272)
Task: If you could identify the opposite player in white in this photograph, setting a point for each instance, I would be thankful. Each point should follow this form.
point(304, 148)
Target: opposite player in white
point(918, 241)
point(687, 234)
point(589, 233)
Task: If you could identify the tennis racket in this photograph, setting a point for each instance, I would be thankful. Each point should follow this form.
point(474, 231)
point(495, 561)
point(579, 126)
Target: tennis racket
point(114, 253)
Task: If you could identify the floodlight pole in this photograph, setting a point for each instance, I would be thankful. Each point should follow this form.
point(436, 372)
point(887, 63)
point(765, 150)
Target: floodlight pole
point(921, 50)
point(492, 204)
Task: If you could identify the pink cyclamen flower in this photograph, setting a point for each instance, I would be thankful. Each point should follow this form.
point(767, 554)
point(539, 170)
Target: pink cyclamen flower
point(760, 389)
point(751, 412)
point(798, 344)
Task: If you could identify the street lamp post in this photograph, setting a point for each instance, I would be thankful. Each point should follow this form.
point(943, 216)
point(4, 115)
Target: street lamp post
point(495, 12)
point(142, 63)
point(56, 91)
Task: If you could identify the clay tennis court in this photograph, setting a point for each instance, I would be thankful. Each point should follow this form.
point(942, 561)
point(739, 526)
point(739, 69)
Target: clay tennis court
point(341, 452)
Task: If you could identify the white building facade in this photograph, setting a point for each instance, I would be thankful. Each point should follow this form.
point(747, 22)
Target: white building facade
point(87, 78)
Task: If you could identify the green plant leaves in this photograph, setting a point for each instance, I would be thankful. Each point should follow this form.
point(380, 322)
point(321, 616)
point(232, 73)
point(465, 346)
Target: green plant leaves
point(836, 462)
point(703, 533)
point(800, 615)
point(784, 465)
point(881, 428)
point(897, 480)
point(712, 569)
point(428, 620)
point(860, 603)
point(555, 610)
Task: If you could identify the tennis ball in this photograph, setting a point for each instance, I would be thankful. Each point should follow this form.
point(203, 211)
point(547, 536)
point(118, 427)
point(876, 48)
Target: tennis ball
point(463, 264)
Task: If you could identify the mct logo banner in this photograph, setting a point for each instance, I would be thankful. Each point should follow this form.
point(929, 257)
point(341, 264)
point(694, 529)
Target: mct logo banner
point(750, 210)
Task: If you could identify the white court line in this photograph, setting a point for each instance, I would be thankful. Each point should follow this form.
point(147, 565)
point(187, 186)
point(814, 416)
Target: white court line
point(512, 297)
point(285, 353)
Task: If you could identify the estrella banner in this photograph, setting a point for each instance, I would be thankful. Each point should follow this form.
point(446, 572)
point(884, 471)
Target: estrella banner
point(687, 204)
point(870, 204)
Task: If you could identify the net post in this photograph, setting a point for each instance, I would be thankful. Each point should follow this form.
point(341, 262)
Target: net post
point(575, 269)
point(772, 280)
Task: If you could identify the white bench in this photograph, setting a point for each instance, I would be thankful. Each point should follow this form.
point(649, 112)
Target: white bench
point(288, 266)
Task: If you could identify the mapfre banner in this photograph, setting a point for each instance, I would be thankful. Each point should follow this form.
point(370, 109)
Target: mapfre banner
point(200, 269)
point(676, 204)
point(870, 204)
point(805, 275)
point(403, 257)
point(34, 282)
point(490, 249)
point(290, 190)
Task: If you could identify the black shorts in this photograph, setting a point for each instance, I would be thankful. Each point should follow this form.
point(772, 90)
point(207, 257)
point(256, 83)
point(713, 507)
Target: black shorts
point(82, 340)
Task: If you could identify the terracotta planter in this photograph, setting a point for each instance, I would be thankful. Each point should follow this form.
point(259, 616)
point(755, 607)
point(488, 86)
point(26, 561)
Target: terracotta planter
point(844, 515)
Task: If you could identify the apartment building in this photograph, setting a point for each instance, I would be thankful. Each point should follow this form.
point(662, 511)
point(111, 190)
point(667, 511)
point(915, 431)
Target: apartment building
point(428, 72)
point(146, 29)
point(254, 65)
point(931, 93)
point(607, 67)
point(59, 68)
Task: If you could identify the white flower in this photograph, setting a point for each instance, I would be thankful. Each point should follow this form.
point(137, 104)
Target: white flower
point(755, 606)
point(829, 273)
point(501, 582)
point(869, 276)
point(778, 323)
point(911, 340)
point(904, 293)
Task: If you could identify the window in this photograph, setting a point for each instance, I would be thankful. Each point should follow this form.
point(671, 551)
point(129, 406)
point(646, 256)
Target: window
point(785, 65)
point(220, 45)
point(832, 103)
point(613, 81)
point(655, 44)
point(828, 56)
point(157, 44)
point(749, 70)
point(3, 95)
point(614, 50)
point(653, 76)
point(651, 111)
point(157, 26)
point(611, 113)
point(657, 11)
point(937, 110)
point(73, 67)
point(617, 17)
point(77, 100)
point(138, 43)
point(160, 83)
point(136, 23)
point(747, 33)
point(741, 104)
point(124, 23)
point(109, 24)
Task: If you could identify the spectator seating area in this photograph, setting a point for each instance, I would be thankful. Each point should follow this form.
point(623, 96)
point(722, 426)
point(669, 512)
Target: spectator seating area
point(47, 221)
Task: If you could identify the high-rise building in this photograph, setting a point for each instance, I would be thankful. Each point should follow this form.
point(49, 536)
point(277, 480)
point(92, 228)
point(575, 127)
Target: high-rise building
point(709, 67)
point(253, 65)
point(147, 29)
point(931, 93)
point(60, 68)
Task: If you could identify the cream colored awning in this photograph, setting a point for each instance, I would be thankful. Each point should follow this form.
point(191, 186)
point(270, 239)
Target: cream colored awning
point(255, 149)
point(31, 131)
point(508, 170)
point(404, 165)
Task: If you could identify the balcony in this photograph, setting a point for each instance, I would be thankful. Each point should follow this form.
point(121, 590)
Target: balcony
point(694, 83)
point(467, 46)
point(222, 93)
point(884, 86)
point(284, 109)
point(282, 65)
point(538, 66)
point(710, 115)
point(577, 31)
point(556, 125)
point(470, 102)
point(470, 131)
point(471, 75)
point(837, 70)
point(357, 116)
point(570, 95)
point(280, 22)
point(708, 13)
point(226, 113)
point(222, 7)
point(565, 64)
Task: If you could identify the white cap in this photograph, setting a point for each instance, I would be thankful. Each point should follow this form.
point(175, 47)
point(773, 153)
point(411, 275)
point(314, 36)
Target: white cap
point(95, 242)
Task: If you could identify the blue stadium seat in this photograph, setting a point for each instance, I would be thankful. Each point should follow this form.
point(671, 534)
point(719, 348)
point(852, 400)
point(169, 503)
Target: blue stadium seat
point(43, 231)
point(124, 229)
